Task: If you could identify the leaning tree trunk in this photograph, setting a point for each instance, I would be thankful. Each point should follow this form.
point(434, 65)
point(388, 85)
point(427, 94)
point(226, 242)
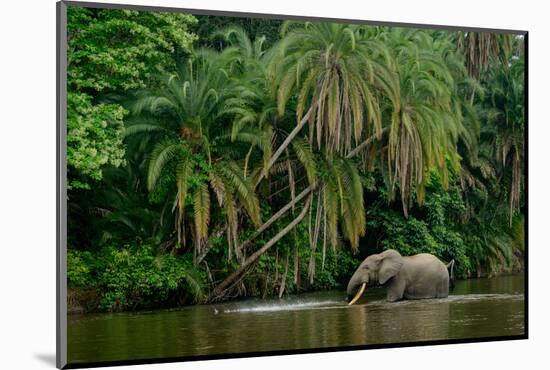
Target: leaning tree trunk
point(283, 278)
point(218, 290)
point(209, 245)
point(367, 142)
point(307, 191)
point(285, 143)
point(271, 162)
point(280, 213)
point(253, 257)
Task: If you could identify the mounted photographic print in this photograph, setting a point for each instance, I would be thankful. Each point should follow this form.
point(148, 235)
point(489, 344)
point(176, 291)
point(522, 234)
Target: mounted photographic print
point(234, 185)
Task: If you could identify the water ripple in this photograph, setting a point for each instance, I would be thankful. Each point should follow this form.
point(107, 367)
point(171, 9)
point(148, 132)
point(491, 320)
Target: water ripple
point(332, 304)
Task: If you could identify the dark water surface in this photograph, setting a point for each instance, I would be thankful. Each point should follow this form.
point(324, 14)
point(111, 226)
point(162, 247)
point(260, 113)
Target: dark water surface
point(477, 308)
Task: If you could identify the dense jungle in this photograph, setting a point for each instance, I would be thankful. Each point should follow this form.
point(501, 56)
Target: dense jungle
point(211, 158)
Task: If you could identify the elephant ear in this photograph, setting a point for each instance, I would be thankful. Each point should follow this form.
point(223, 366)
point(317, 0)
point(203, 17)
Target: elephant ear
point(390, 264)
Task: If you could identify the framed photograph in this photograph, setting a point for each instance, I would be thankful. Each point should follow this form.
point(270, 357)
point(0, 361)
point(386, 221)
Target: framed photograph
point(236, 185)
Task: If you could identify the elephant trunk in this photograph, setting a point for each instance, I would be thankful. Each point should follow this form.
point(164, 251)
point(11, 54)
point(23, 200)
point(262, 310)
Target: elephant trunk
point(354, 282)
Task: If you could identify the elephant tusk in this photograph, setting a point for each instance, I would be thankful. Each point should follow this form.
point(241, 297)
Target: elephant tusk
point(358, 295)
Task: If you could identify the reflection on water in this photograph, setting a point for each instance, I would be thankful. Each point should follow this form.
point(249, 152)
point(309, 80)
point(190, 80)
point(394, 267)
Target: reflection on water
point(477, 308)
point(283, 305)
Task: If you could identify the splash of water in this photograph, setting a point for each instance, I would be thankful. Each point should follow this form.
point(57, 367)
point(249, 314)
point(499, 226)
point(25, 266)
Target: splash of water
point(294, 306)
point(332, 304)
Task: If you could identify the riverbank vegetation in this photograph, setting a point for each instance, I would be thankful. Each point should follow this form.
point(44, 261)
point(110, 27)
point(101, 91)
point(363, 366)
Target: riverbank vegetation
point(216, 157)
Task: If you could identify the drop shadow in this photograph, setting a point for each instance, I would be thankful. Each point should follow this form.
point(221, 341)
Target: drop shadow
point(47, 358)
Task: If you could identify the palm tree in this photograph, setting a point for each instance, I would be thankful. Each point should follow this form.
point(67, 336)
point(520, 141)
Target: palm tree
point(427, 122)
point(506, 118)
point(251, 81)
point(190, 113)
point(415, 93)
point(335, 76)
point(497, 164)
point(334, 73)
point(125, 210)
point(481, 48)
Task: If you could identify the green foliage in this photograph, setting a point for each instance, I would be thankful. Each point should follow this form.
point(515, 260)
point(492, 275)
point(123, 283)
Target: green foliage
point(188, 111)
point(135, 277)
point(122, 49)
point(207, 26)
point(316, 270)
point(338, 267)
point(112, 52)
point(333, 71)
point(426, 120)
point(80, 269)
point(94, 137)
point(342, 200)
point(433, 228)
point(413, 142)
point(506, 113)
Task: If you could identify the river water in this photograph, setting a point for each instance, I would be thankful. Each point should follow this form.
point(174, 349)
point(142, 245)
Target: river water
point(477, 308)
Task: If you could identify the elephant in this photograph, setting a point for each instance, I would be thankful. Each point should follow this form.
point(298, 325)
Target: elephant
point(412, 277)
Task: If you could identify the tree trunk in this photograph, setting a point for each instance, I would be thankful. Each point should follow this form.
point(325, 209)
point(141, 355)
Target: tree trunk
point(280, 213)
point(305, 192)
point(285, 143)
point(209, 245)
point(283, 278)
point(218, 290)
point(253, 257)
point(296, 267)
point(366, 143)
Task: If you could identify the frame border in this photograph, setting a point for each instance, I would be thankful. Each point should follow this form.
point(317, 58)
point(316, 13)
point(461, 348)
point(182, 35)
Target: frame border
point(293, 17)
point(61, 189)
point(226, 356)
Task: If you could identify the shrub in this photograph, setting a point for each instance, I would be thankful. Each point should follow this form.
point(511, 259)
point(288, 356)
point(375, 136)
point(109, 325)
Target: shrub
point(134, 277)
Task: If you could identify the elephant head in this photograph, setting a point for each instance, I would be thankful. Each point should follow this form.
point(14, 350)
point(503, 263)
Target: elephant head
point(375, 269)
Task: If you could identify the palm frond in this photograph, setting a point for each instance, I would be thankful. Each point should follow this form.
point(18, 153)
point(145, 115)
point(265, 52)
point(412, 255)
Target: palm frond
point(201, 207)
point(163, 152)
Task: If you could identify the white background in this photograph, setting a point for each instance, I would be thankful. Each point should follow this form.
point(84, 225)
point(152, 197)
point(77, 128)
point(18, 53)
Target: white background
point(27, 182)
